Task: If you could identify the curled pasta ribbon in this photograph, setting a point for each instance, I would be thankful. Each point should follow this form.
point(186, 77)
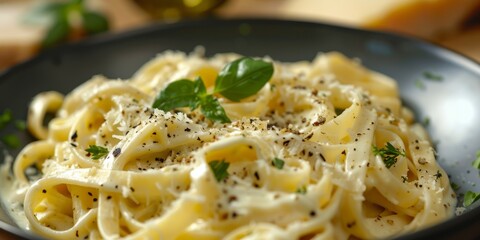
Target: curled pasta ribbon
point(48, 102)
point(34, 153)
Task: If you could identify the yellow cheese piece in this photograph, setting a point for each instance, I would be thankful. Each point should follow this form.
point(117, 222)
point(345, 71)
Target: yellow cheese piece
point(424, 18)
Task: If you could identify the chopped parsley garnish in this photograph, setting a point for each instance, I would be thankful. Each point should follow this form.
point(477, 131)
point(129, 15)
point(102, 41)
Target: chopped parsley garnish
point(426, 121)
point(419, 84)
point(432, 76)
point(388, 153)
point(11, 141)
point(301, 190)
point(278, 163)
point(239, 79)
point(219, 169)
point(476, 163)
point(20, 125)
point(427, 76)
point(96, 152)
point(470, 197)
point(5, 118)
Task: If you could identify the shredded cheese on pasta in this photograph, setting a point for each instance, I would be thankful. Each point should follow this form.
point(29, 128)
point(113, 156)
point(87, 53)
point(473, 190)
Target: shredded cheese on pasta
point(300, 155)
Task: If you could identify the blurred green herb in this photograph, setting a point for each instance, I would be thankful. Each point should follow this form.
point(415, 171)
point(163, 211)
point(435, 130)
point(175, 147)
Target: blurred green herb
point(20, 125)
point(419, 84)
point(427, 75)
point(432, 76)
point(470, 197)
point(58, 14)
point(239, 79)
point(94, 23)
point(301, 190)
point(278, 163)
point(5, 118)
point(426, 121)
point(11, 141)
point(476, 162)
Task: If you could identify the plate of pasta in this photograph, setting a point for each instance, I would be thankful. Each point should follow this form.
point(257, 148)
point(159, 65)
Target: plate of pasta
point(241, 129)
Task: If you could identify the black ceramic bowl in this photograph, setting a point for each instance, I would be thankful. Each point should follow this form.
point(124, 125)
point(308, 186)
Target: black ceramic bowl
point(450, 104)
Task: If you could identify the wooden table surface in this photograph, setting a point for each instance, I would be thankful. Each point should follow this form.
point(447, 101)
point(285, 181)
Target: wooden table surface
point(439, 21)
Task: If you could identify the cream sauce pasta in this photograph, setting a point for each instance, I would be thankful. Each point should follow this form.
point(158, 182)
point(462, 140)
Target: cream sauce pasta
point(304, 158)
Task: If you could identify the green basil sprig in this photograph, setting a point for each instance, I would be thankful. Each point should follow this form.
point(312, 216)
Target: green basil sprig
point(243, 78)
point(57, 15)
point(239, 79)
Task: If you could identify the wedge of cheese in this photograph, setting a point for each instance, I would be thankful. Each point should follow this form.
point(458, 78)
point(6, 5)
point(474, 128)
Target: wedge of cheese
point(424, 18)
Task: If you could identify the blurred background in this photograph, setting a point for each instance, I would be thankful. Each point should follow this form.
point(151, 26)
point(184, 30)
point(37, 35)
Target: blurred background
point(28, 26)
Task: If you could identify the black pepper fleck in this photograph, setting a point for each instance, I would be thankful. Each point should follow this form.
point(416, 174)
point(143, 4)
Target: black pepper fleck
point(117, 152)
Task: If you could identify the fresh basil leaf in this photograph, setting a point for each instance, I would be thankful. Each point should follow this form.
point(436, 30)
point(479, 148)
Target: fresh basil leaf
point(94, 23)
point(243, 78)
point(212, 109)
point(470, 197)
point(199, 87)
point(58, 32)
point(200, 91)
point(180, 93)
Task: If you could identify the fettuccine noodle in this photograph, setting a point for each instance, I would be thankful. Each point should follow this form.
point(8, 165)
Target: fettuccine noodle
point(322, 120)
